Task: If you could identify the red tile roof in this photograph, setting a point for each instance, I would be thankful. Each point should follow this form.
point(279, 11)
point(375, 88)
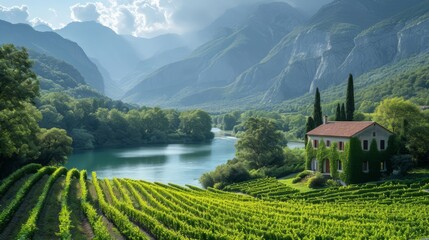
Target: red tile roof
point(341, 129)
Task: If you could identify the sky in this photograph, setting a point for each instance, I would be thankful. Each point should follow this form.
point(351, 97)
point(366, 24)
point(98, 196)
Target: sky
point(144, 18)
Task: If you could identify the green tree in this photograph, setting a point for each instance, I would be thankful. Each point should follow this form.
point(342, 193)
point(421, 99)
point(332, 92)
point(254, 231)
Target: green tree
point(317, 111)
point(350, 99)
point(18, 116)
point(338, 113)
point(261, 143)
point(343, 113)
point(308, 127)
point(229, 121)
point(392, 112)
point(196, 124)
point(418, 143)
point(18, 84)
point(55, 146)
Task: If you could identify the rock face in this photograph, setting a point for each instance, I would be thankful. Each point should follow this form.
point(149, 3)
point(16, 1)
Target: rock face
point(218, 62)
point(52, 44)
point(275, 55)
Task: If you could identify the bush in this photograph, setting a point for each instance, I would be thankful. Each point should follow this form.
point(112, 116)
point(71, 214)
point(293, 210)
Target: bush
point(225, 174)
point(296, 180)
point(317, 181)
point(332, 183)
point(304, 174)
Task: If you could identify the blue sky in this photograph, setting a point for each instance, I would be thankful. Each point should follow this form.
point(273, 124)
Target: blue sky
point(136, 17)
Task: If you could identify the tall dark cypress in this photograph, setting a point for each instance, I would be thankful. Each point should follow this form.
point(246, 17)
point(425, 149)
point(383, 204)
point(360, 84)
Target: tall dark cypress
point(343, 112)
point(338, 113)
point(308, 127)
point(350, 99)
point(317, 113)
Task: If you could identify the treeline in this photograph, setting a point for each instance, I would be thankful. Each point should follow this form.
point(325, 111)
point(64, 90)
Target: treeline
point(291, 125)
point(94, 123)
point(260, 152)
point(44, 128)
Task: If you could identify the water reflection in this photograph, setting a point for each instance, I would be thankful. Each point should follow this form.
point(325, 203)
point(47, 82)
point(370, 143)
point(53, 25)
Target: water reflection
point(176, 163)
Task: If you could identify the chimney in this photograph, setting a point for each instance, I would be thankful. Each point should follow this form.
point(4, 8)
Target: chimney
point(325, 119)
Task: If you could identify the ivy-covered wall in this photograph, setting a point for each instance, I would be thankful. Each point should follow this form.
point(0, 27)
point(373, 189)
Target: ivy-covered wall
point(352, 159)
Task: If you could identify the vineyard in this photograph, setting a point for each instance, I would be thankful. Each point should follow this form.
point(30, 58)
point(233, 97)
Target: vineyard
point(55, 203)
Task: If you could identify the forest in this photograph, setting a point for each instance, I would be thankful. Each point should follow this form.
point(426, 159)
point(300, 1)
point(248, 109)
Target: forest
point(45, 127)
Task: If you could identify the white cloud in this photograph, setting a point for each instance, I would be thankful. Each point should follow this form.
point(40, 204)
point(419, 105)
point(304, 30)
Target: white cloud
point(84, 12)
point(38, 21)
point(14, 14)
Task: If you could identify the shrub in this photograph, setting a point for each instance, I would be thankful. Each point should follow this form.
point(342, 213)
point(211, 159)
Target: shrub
point(332, 183)
point(297, 179)
point(317, 181)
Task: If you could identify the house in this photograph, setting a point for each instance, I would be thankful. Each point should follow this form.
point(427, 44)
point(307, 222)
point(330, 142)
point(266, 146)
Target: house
point(365, 159)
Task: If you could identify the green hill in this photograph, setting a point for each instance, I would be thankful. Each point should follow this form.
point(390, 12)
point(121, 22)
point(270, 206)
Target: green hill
point(49, 203)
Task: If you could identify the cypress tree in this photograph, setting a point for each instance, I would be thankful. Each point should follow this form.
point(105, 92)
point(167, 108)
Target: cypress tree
point(308, 127)
point(338, 113)
point(350, 99)
point(343, 113)
point(317, 113)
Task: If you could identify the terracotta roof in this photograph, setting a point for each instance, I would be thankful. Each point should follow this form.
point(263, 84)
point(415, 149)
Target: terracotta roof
point(341, 129)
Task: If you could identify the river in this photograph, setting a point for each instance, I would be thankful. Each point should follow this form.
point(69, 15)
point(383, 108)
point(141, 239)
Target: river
point(175, 163)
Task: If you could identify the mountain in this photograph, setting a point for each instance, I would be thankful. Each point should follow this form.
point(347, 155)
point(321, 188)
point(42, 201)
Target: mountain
point(54, 73)
point(146, 67)
point(341, 38)
point(150, 47)
point(52, 44)
point(218, 62)
point(43, 28)
point(112, 51)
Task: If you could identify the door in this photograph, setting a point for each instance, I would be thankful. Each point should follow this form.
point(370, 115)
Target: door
point(327, 166)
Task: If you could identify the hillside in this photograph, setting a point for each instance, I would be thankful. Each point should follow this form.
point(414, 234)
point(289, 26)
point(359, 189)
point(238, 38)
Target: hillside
point(218, 62)
point(44, 203)
point(240, 69)
point(53, 45)
point(407, 78)
point(112, 52)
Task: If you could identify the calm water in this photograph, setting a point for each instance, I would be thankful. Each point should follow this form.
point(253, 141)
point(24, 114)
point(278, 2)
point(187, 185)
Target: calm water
point(175, 163)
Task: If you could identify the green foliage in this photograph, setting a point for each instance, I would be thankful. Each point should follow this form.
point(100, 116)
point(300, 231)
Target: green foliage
point(397, 208)
point(392, 113)
point(338, 113)
point(317, 111)
point(18, 83)
point(350, 99)
point(9, 210)
point(225, 174)
point(64, 215)
point(196, 125)
point(316, 181)
point(7, 182)
point(343, 115)
point(95, 220)
point(29, 227)
point(261, 143)
point(55, 146)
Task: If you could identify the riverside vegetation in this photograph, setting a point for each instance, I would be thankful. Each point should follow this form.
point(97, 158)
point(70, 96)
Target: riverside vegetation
point(65, 204)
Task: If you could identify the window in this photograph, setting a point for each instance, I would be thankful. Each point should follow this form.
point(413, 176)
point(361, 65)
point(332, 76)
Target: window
point(340, 165)
point(365, 166)
point(341, 146)
point(328, 143)
point(365, 144)
point(383, 167)
point(314, 165)
point(373, 134)
point(315, 143)
point(382, 145)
